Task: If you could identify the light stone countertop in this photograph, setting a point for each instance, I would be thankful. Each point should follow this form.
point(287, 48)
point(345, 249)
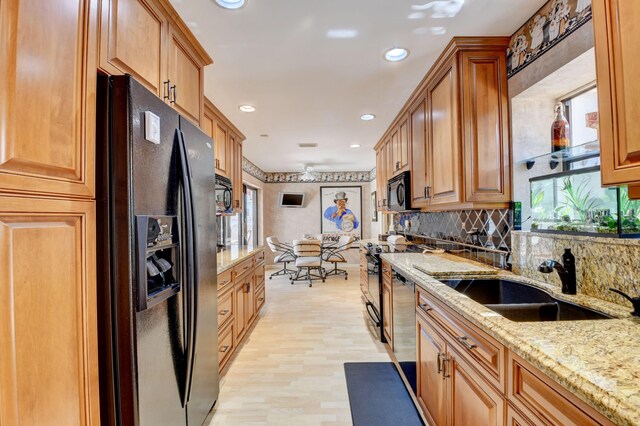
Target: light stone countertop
point(597, 360)
point(229, 257)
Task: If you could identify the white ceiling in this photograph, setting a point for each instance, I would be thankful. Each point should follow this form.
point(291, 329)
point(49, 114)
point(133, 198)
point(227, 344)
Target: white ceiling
point(309, 88)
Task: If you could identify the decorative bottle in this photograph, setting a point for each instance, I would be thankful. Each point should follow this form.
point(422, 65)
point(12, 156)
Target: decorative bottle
point(560, 130)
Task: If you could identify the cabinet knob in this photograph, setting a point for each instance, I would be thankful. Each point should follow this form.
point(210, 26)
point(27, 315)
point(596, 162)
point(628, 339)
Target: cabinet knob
point(425, 307)
point(225, 312)
point(224, 349)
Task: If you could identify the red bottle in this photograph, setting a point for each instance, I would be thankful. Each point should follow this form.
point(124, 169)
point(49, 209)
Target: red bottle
point(560, 130)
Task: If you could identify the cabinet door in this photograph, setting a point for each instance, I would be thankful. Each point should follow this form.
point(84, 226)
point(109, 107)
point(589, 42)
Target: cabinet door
point(474, 402)
point(486, 131)
point(391, 158)
point(444, 140)
point(186, 74)
point(48, 329)
point(394, 149)
point(234, 166)
point(432, 386)
point(387, 312)
point(419, 160)
point(133, 40)
point(617, 32)
point(249, 300)
point(403, 145)
point(208, 124)
point(47, 106)
point(380, 179)
point(220, 144)
point(239, 321)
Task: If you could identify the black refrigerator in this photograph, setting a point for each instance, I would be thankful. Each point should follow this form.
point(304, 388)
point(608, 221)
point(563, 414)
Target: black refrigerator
point(156, 261)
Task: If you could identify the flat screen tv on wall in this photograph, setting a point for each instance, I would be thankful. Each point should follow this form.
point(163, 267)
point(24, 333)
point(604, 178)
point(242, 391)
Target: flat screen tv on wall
point(291, 199)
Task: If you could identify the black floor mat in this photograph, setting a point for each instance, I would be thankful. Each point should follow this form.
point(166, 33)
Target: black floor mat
point(377, 395)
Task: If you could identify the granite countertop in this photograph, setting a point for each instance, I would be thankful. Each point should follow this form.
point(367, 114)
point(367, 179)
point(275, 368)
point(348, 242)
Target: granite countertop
point(597, 360)
point(231, 256)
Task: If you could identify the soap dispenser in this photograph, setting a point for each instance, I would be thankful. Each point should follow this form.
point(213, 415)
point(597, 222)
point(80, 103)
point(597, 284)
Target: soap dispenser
point(569, 263)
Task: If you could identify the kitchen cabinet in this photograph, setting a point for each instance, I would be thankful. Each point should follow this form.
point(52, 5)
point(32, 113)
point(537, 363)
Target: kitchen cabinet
point(241, 295)
point(431, 389)
point(419, 153)
point(48, 321)
point(387, 302)
point(456, 127)
point(443, 139)
point(147, 39)
point(486, 126)
point(48, 102)
point(616, 35)
point(465, 377)
point(186, 74)
point(381, 178)
point(235, 143)
point(221, 143)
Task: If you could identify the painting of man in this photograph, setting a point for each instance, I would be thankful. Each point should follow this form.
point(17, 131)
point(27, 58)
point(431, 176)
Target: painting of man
point(341, 210)
point(340, 214)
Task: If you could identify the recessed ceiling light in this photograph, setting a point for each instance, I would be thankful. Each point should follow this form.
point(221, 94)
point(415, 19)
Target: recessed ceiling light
point(367, 117)
point(342, 33)
point(246, 108)
point(396, 54)
point(417, 15)
point(354, 145)
point(231, 4)
point(438, 30)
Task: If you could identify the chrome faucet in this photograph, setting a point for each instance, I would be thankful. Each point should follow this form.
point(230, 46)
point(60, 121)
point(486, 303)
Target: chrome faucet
point(567, 273)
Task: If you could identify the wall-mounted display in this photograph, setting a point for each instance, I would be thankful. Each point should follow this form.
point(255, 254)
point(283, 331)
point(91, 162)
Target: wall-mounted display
point(552, 23)
point(341, 209)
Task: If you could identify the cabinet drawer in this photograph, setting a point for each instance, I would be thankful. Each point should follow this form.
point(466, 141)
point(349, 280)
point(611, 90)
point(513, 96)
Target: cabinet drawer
point(225, 309)
point(544, 401)
point(225, 279)
point(484, 352)
point(259, 274)
point(259, 258)
point(243, 267)
point(225, 346)
point(260, 298)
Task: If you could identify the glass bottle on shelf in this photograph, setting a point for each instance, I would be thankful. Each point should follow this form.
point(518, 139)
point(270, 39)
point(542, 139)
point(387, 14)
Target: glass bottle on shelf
point(560, 130)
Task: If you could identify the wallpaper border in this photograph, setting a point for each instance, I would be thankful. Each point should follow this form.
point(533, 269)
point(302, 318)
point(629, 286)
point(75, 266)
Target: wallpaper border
point(318, 177)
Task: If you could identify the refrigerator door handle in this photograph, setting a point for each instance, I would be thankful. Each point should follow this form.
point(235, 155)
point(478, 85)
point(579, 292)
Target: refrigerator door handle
point(192, 265)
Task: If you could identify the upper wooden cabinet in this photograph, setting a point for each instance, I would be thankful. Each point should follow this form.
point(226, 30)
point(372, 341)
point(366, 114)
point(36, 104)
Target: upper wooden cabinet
point(616, 33)
point(147, 39)
point(443, 139)
point(381, 177)
point(227, 142)
point(47, 107)
point(457, 143)
point(186, 74)
point(486, 126)
point(48, 330)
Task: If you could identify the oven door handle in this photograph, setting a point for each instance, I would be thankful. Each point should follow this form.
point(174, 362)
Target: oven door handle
point(371, 310)
point(371, 259)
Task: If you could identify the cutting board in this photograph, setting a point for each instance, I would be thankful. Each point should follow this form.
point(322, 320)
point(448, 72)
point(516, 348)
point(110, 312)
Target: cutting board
point(442, 265)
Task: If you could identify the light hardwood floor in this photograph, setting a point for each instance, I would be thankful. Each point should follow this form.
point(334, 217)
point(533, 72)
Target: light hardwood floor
point(290, 370)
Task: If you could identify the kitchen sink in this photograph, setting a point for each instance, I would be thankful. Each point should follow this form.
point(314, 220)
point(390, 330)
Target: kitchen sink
point(521, 302)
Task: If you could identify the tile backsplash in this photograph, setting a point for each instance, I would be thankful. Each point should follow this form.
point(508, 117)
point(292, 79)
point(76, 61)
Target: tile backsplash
point(493, 226)
point(601, 263)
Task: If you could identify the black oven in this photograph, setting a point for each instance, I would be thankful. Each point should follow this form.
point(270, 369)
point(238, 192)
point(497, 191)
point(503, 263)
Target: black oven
point(224, 195)
point(399, 192)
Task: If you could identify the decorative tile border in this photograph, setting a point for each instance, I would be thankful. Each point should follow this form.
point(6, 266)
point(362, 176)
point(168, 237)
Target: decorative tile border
point(318, 177)
point(550, 25)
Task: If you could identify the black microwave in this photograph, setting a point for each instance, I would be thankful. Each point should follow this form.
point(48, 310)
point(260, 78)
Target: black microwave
point(224, 195)
point(399, 192)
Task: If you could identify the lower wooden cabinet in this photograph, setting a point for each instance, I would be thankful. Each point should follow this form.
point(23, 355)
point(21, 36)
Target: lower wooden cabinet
point(457, 386)
point(48, 324)
point(240, 298)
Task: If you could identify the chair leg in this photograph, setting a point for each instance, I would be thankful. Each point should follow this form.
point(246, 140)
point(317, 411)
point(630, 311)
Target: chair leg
point(283, 271)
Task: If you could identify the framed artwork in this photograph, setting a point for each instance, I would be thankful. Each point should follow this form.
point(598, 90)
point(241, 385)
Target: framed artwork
point(374, 207)
point(341, 212)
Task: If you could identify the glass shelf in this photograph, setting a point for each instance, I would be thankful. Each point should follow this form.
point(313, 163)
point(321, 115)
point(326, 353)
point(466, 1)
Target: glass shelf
point(573, 158)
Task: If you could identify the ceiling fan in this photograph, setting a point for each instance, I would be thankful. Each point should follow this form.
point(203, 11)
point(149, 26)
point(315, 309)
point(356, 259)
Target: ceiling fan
point(307, 176)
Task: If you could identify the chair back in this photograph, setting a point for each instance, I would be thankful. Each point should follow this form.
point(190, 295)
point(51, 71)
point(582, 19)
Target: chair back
point(273, 244)
point(307, 248)
point(345, 242)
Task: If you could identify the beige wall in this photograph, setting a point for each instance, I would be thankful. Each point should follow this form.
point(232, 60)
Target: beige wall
point(290, 224)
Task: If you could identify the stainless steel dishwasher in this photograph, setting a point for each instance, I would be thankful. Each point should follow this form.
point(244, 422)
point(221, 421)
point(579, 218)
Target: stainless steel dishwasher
point(404, 326)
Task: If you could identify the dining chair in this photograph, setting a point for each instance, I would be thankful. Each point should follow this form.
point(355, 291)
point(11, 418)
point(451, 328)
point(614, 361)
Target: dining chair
point(335, 254)
point(308, 257)
point(284, 254)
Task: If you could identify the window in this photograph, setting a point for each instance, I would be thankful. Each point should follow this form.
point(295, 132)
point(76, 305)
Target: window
point(580, 109)
point(250, 215)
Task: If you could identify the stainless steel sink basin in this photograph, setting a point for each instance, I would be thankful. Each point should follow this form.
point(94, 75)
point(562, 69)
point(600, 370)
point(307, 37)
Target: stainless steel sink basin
point(521, 302)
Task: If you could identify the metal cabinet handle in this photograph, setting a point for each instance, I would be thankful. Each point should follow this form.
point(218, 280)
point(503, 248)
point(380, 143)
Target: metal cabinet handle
point(175, 94)
point(397, 165)
point(224, 349)
point(445, 360)
point(425, 307)
point(428, 192)
point(439, 364)
point(166, 89)
point(465, 341)
point(223, 313)
point(260, 299)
